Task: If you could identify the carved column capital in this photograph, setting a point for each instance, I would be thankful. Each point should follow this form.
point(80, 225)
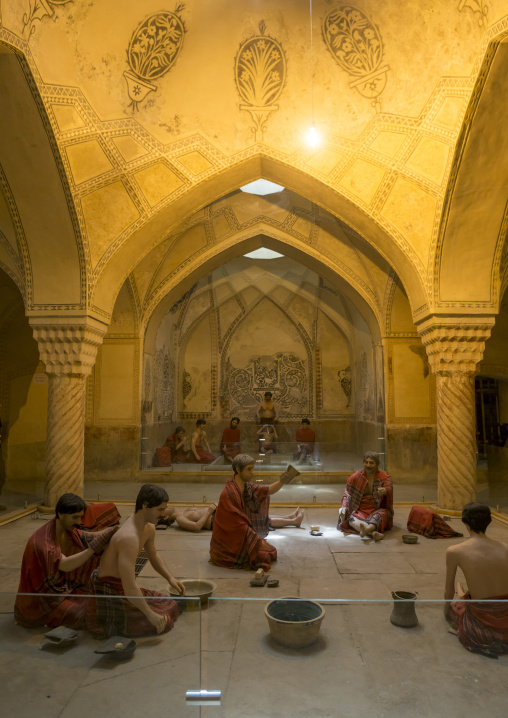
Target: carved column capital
point(455, 344)
point(68, 345)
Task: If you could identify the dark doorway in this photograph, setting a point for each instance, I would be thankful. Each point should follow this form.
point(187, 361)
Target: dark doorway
point(487, 413)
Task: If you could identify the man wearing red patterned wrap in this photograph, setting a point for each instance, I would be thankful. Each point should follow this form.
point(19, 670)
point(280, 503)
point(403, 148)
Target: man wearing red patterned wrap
point(482, 627)
point(122, 607)
point(58, 561)
point(367, 504)
point(241, 516)
point(305, 437)
point(230, 444)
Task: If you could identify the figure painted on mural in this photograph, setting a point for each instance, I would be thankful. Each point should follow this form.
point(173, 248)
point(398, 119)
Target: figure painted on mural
point(241, 519)
point(367, 504)
point(267, 440)
point(305, 437)
point(481, 627)
point(267, 411)
point(202, 518)
point(200, 448)
point(230, 444)
point(56, 568)
point(128, 613)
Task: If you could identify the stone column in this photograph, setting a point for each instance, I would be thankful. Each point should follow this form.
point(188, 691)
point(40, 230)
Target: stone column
point(455, 347)
point(68, 349)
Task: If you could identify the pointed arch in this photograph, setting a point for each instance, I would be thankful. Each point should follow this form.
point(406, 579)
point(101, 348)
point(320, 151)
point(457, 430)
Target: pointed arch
point(223, 253)
point(40, 202)
point(143, 240)
point(474, 221)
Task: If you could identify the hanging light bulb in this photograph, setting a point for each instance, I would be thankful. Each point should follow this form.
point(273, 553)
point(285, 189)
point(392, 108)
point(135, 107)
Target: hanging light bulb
point(313, 137)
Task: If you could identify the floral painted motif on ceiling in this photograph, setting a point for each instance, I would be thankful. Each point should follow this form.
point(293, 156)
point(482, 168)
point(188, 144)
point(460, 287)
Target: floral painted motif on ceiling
point(356, 46)
point(260, 75)
point(479, 7)
point(153, 50)
point(37, 10)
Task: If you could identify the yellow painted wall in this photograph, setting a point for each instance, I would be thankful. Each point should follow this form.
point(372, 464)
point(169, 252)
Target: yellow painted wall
point(116, 383)
point(197, 361)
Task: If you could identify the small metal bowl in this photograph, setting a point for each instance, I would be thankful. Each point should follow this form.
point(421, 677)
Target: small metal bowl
point(410, 538)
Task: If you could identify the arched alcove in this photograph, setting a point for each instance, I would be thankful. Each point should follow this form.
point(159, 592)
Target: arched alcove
point(23, 394)
point(249, 326)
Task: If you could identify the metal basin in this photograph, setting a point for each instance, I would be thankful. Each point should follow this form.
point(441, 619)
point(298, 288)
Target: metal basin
point(294, 622)
point(195, 588)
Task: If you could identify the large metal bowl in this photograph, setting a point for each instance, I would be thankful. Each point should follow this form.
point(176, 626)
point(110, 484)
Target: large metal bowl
point(294, 623)
point(195, 588)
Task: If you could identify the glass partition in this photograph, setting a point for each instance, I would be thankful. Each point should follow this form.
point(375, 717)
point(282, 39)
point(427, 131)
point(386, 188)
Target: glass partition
point(69, 673)
point(365, 657)
point(337, 447)
point(19, 498)
point(492, 486)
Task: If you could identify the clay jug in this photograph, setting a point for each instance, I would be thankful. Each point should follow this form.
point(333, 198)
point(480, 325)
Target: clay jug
point(404, 613)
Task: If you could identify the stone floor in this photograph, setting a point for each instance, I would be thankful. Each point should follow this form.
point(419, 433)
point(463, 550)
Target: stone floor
point(361, 662)
point(16, 495)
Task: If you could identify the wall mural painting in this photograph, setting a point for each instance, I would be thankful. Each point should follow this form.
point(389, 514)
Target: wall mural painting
point(148, 379)
point(186, 384)
point(37, 10)
point(356, 46)
point(345, 383)
point(260, 75)
point(283, 374)
point(479, 7)
point(366, 388)
point(163, 381)
point(420, 351)
point(153, 50)
point(146, 404)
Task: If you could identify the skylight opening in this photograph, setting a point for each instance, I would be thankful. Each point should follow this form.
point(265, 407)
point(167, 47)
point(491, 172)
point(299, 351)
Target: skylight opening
point(263, 253)
point(261, 187)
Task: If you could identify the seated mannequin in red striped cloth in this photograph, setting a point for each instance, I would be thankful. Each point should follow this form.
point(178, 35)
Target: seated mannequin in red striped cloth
point(58, 560)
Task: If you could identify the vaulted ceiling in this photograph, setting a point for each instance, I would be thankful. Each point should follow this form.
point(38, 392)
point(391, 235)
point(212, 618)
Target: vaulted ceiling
point(124, 125)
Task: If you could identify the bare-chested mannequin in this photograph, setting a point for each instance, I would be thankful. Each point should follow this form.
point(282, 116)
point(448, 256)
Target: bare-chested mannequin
point(479, 616)
point(199, 518)
point(200, 448)
point(267, 410)
point(483, 561)
point(137, 533)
